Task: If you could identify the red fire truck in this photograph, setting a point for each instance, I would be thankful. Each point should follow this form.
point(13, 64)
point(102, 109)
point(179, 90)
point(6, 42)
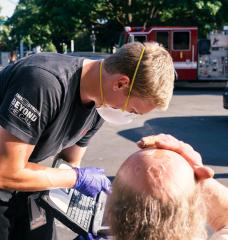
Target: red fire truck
point(194, 59)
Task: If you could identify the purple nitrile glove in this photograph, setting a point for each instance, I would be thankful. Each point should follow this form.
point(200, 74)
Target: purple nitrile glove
point(90, 181)
point(90, 237)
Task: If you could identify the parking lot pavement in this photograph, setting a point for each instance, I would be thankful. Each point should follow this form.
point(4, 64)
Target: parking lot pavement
point(195, 116)
point(63, 232)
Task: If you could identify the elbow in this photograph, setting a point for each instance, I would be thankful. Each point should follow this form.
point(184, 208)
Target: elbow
point(8, 182)
point(3, 182)
point(4, 185)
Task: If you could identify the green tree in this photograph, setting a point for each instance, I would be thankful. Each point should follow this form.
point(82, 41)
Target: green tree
point(222, 16)
point(28, 26)
point(200, 13)
point(6, 43)
point(115, 14)
point(41, 22)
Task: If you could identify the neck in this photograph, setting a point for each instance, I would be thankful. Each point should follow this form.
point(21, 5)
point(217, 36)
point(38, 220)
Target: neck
point(89, 86)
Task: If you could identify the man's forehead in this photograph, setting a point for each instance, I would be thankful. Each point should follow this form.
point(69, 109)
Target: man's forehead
point(151, 161)
point(157, 156)
point(160, 172)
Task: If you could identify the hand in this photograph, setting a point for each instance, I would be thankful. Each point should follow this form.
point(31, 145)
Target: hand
point(90, 237)
point(168, 142)
point(90, 181)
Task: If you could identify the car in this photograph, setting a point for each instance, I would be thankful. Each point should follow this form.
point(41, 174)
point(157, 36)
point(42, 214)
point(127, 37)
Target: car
point(225, 96)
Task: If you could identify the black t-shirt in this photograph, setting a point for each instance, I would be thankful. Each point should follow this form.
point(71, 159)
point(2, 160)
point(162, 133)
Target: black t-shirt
point(40, 104)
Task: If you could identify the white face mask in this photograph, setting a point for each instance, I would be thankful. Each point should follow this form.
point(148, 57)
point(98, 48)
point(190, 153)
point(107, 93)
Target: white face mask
point(115, 116)
point(118, 116)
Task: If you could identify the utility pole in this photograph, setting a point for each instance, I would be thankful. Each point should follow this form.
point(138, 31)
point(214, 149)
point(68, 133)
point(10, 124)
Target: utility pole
point(93, 39)
point(21, 49)
point(72, 45)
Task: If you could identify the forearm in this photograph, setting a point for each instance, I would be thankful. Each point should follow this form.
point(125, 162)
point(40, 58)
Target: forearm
point(216, 198)
point(73, 155)
point(35, 177)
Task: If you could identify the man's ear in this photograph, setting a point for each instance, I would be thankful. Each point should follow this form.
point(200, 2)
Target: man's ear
point(121, 82)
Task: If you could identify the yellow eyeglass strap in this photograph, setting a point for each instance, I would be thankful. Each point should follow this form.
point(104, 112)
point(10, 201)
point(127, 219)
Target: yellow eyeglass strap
point(101, 84)
point(133, 80)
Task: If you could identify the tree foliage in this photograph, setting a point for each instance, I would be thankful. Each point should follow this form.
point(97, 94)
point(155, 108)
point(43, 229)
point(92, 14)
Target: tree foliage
point(57, 22)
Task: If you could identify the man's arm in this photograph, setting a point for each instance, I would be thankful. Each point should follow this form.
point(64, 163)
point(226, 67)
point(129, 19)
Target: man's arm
point(216, 199)
point(17, 173)
point(73, 155)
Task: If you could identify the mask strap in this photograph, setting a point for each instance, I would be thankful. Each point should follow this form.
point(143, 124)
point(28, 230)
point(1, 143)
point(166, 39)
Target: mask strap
point(133, 80)
point(101, 84)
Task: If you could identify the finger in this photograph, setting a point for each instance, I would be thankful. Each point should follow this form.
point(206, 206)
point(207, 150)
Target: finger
point(107, 186)
point(150, 141)
point(90, 237)
point(95, 170)
point(100, 170)
point(185, 150)
point(91, 194)
point(203, 172)
point(108, 192)
point(168, 145)
point(147, 142)
point(192, 156)
point(140, 144)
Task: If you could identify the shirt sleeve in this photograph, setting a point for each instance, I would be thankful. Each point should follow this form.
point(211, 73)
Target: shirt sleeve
point(30, 102)
point(83, 142)
point(221, 234)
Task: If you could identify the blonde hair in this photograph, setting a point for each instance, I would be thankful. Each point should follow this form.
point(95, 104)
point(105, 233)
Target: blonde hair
point(139, 216)
point(155, 77)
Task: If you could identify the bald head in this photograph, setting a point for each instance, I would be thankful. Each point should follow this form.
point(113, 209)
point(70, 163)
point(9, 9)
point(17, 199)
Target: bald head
point(158, 172)
point(155, 196)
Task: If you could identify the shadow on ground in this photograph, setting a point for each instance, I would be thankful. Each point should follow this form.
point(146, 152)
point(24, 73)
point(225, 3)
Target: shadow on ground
point(207, 134)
